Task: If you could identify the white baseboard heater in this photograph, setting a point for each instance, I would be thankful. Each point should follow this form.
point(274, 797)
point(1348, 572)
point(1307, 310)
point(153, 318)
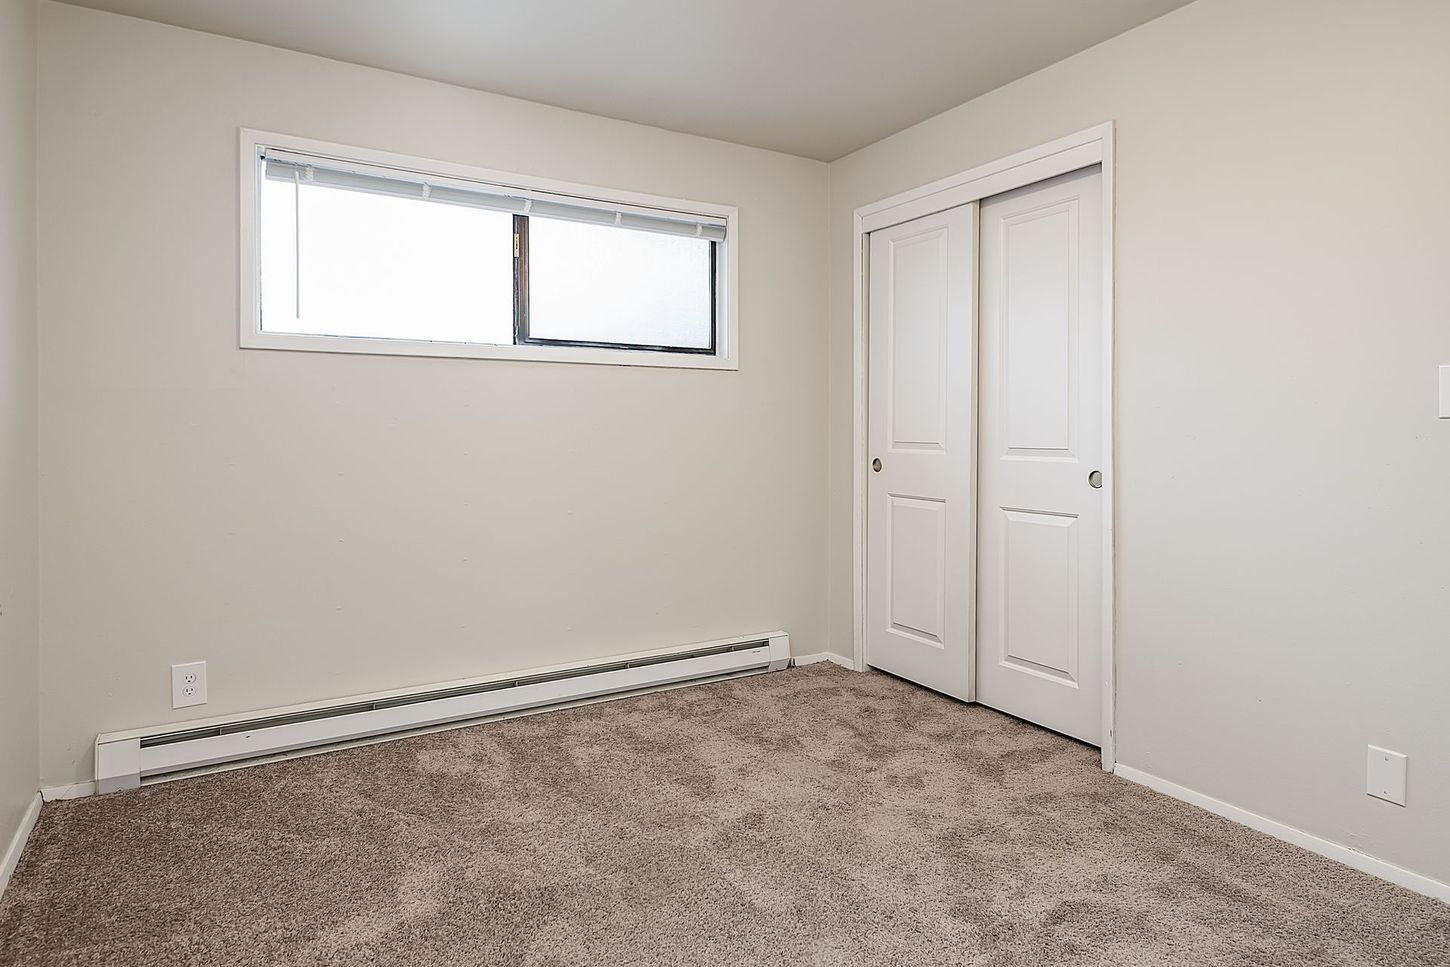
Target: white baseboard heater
point(125, 760)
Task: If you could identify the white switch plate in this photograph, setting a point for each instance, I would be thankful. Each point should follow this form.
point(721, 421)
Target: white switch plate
point(1385, 776)
point(188, 684)
point(1445, 392)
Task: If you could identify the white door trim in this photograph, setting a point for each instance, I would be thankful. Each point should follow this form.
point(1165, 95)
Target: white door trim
point(1076, 151)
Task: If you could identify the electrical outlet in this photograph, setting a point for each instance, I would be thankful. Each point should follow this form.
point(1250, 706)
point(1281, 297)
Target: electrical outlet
point(1385, 775)
point(188, 684)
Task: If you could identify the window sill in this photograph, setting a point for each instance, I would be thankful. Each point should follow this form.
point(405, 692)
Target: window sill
point(524, 353)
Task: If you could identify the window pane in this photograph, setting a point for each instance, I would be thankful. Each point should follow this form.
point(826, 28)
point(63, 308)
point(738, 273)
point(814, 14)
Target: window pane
point(336, 262)
point(596, 283)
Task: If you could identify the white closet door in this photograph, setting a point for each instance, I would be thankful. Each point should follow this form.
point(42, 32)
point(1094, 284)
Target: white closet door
point(1040, 439)
point(920, 542)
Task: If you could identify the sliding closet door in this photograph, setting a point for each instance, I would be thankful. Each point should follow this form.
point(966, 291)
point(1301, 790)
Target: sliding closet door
point(1040, 439)
point(919, 541)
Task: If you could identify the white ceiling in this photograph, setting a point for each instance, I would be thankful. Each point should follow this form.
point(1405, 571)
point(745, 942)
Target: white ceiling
point(818, 78)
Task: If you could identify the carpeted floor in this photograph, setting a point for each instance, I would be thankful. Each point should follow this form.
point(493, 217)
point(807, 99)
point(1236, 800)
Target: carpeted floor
point(813, 816)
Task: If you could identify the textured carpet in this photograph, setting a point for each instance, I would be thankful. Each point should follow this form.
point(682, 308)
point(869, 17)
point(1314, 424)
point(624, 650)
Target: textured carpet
point(813, 816)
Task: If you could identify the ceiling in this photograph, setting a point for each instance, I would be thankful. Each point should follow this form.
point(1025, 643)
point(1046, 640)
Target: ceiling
point(818, 78)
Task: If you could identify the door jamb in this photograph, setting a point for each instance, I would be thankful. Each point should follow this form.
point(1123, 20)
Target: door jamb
point(1076, 151)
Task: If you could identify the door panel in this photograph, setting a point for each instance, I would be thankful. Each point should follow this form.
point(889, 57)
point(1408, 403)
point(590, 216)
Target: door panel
point(918, 321)
point(1039, 586)
point(1039, 591)
point(920, 536)
point(1037, 282)
point(917, 581)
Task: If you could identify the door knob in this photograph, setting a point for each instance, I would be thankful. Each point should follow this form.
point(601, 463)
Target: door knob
point(1095, 480)
point(876, 464)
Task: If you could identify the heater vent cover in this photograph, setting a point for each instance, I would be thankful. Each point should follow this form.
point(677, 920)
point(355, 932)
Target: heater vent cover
point(126, 759)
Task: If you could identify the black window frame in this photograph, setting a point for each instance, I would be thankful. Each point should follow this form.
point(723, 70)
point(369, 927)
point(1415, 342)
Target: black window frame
point(521, 305)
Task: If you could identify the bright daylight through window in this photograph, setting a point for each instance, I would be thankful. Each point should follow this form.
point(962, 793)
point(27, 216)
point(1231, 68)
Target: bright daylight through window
point(358, 257)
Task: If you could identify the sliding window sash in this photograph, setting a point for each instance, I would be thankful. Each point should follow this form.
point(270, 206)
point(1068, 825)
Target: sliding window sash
point(521, 305)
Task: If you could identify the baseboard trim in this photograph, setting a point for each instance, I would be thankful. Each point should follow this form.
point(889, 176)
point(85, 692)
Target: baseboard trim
point(1385, 870)
point(821, 656)
point(76, 790)
point(17, 842)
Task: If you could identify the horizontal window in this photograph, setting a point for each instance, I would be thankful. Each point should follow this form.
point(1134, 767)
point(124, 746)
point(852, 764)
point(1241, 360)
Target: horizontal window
point(348, 254)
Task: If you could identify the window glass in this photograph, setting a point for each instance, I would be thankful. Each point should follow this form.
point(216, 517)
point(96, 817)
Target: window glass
point(602, 284)
point(338, 262)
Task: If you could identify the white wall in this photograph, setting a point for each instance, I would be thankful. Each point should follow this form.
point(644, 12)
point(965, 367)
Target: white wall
point(18, 545)
point(1283, 235)
point(314, 524)
point(318, 525)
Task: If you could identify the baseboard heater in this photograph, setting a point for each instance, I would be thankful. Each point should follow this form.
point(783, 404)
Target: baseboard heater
point(125, 760)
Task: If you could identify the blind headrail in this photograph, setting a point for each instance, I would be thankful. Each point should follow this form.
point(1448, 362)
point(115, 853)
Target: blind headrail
point(421, 186)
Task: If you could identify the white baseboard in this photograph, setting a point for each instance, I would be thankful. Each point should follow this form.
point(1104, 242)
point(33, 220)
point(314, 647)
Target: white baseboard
point(76, 790)
point(17, 842)
point(820, 656)
point(1350, 857)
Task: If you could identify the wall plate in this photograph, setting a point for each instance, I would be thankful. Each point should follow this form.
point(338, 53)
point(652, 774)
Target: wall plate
point(188, 684)
point(1385, 775)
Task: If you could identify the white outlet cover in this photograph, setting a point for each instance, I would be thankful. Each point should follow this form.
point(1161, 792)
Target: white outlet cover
point(1445, 392)
point(188, 684)
point(1385, 775)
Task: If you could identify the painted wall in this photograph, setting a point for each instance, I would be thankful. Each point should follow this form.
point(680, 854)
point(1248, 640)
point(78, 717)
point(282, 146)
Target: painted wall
point(18, 543)
point(1283, 586)
point(315, 525)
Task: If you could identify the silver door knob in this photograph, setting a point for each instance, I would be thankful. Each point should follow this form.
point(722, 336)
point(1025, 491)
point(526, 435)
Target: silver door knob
point(1095, 480)
point(876, 464)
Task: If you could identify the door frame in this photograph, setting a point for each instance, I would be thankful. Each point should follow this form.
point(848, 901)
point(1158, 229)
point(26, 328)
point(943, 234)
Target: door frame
point(1072, 153)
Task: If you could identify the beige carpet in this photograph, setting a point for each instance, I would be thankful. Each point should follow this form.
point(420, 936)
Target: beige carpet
point(813, 816)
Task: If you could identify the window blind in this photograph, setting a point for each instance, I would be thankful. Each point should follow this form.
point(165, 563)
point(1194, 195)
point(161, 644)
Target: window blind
point(308, 170)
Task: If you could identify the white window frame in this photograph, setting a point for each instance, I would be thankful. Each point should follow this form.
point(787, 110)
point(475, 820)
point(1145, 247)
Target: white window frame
point(252, 336)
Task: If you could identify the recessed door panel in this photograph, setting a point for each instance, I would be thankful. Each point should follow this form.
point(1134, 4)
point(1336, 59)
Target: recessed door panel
point(1038, 290)
point(1040, 438)
point(920, 537)
point(917, 534)
point(1039, 586)
point(918, 340)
